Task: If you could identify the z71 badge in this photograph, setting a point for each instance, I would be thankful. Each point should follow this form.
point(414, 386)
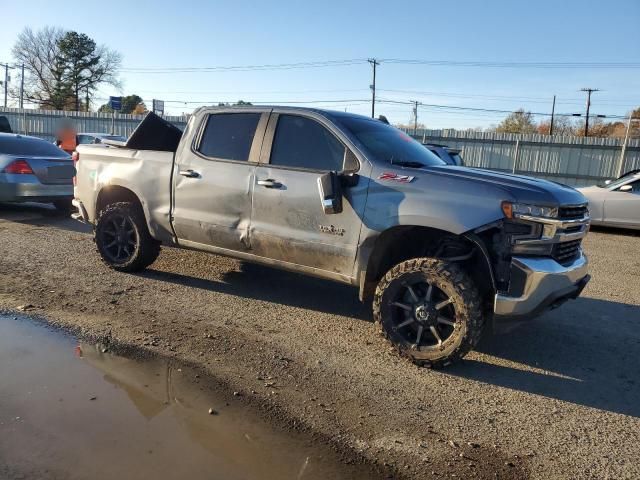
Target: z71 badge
point(332, 230)
point(394, 177)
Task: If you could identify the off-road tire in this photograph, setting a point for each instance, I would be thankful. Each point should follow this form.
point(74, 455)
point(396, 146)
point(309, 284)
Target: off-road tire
point(455, 282)
point(146, 249)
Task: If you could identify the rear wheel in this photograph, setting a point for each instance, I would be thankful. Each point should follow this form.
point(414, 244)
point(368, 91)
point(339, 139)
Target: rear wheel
point(123, 239)
point(429, 310)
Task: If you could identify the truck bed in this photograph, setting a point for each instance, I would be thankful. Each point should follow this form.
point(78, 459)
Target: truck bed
point(142, 165)
point(145, 173)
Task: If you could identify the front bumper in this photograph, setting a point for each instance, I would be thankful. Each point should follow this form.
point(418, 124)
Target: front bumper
point(538, 284)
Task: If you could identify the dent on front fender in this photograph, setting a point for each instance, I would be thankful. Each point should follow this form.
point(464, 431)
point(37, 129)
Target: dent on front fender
point(429, 201)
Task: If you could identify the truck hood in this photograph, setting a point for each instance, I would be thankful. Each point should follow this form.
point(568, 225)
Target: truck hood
point(521, 188)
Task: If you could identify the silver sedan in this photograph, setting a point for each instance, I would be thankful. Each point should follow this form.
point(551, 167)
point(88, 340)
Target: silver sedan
point(34, 170)
point(617, 203)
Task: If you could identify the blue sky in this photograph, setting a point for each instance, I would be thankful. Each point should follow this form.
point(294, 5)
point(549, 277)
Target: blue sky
point(197, 33)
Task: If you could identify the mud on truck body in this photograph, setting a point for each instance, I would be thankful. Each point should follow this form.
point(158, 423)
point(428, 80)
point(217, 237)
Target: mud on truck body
point(439, 251)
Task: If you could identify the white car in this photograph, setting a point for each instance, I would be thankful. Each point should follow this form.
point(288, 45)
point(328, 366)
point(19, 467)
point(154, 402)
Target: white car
point(616, 203)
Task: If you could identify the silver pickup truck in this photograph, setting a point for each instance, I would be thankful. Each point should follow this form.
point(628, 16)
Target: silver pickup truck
point(439, 250)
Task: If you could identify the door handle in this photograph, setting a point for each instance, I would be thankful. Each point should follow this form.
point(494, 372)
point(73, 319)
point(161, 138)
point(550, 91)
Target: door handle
point(269, 183)
point(189, 173)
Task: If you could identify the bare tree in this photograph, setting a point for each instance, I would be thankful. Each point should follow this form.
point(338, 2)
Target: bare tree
point(38, 52)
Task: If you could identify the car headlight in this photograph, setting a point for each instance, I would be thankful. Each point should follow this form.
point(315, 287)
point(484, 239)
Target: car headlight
point(528, 235)
point(516, 210)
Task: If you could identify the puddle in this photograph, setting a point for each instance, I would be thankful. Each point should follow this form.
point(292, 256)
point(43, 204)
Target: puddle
point(69, 411)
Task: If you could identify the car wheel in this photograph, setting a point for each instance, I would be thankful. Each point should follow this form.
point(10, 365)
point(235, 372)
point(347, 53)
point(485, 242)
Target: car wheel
point(430, 310)
point(123, 239)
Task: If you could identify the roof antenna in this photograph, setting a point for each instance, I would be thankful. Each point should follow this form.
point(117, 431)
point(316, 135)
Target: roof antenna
point(383, 119)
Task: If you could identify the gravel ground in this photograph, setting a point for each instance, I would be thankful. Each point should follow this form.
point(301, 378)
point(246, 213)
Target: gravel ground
point(558, 397)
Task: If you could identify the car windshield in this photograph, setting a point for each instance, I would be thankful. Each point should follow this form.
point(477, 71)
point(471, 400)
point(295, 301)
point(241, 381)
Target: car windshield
point(29, 147)
point(388, 144)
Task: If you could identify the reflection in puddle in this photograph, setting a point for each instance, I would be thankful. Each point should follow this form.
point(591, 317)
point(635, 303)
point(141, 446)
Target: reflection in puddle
point(70, 411)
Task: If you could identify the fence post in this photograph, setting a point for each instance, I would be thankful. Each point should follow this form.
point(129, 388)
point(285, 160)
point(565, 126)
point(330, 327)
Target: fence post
point(515, 156)
point(623, 151)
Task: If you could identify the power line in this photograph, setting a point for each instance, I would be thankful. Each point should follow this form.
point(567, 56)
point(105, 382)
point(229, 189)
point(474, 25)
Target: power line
point(476, 109)
point(363, 101)
point(500, 98)
point(509, 64)
point(244, 68)
point(358, 61)
point(249, 92)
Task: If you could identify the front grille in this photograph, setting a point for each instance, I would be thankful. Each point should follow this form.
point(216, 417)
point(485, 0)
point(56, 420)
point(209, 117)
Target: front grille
point(572, 212)
point(566, 252)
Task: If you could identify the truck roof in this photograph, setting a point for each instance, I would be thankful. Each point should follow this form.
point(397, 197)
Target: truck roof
point(321, 111)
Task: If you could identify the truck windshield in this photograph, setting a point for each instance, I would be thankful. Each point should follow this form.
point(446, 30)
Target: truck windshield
point(388, 144)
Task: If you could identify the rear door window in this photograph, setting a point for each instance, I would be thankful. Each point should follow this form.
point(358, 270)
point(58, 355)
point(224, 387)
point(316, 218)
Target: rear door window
point(301, 142)
point(228, 136)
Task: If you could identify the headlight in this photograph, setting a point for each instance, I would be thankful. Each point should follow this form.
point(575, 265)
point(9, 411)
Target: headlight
point(515, 210)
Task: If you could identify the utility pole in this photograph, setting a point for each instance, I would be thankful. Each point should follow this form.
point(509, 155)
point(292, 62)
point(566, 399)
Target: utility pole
point(22, 87)
point(553, 111)
point(6, 83)
point(586, 120)
point(415, 116)
point(373, 63)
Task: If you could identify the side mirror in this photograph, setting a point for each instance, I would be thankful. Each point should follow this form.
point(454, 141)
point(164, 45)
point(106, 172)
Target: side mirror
point(330, 193)
point(626, 188)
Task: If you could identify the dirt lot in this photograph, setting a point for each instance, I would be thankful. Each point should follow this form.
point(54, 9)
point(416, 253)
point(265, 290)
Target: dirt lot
point(557, 398)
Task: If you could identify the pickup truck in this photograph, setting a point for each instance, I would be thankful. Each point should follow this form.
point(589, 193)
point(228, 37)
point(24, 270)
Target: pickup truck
point(439, 251)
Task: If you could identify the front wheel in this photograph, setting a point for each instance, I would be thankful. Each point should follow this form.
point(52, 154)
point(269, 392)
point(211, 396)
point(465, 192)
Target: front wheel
point(430, 310)
point(123, 239)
